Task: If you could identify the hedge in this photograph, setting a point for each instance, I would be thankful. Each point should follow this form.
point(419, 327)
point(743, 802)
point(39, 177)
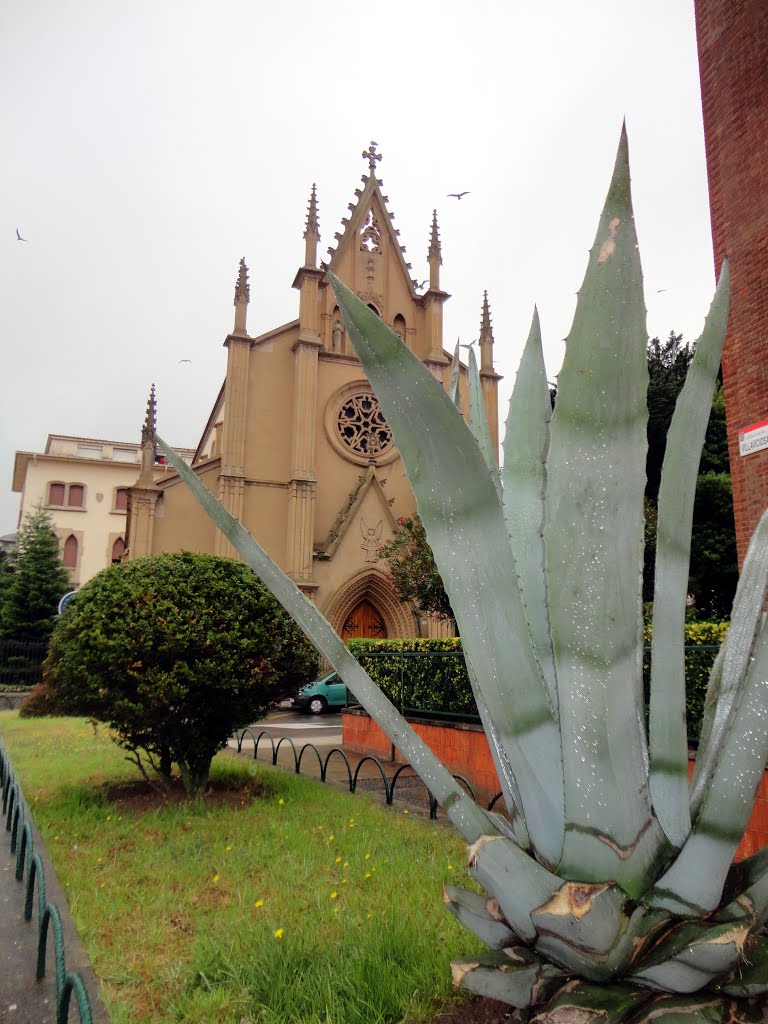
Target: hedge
point(419, 675)
point(423, 675)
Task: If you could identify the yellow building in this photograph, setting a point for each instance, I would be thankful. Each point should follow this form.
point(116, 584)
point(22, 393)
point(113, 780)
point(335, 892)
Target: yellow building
point(83, 483)
point(296, 446)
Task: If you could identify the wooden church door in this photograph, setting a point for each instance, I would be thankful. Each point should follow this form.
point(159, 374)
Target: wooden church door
point(364, 620)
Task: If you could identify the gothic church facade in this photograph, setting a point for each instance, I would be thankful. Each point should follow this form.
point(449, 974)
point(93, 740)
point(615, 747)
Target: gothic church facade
point(296, 446)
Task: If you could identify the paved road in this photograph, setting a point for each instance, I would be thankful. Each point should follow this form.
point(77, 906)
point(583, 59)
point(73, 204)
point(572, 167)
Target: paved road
point(323, 730)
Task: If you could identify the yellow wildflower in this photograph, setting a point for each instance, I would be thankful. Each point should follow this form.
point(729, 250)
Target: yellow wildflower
point(215, 878)
point(279, 933)
point(259, 903)
point(334, 895)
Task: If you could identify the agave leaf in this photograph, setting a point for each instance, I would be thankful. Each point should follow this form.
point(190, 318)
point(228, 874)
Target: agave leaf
point(745, 894)
point(685, 440)
point(471, 908)
point(513, 976)
point(593, 535)
point(692, 955)
point(470, 820)
point(582, 1003)
point(517, 882)
point(730, 669)
point(696, 878)
point(581, 925)
point(478, 421)
point(701, 1008)
point(523, 476)
point(462, 513)
point(751, 979)
point(453, 387)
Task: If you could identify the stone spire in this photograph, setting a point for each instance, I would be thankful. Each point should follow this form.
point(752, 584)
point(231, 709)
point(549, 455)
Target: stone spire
point(242, 298)
point(312, 231)
point(486, 337)
point(148, 440)
point(435, 254)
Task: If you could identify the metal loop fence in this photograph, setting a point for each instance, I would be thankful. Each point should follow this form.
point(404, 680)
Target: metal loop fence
point(68, 983)
point(389, 786)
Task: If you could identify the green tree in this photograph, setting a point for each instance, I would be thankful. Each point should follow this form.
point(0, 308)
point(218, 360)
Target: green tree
point(175, 652)
point(413, 570)
point(39, 580)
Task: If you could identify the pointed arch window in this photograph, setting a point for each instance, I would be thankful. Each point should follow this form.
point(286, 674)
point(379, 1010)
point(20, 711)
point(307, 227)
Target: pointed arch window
point(69, 557)
point(118, 550)
point(399, 326)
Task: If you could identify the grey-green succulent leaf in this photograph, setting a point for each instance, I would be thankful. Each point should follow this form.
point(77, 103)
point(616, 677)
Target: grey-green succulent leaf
point(697, 877)
point(462, 514)
point(594, 535)
point(745, 893)
point(470, 820)
point(685, 441)
point(453, 387)
point(518, 882)
point(523, 477)
point(471, 908)
point(730, 669)
point(512, 976)
point(478, 420)
point(693, 955)
point(751, 977)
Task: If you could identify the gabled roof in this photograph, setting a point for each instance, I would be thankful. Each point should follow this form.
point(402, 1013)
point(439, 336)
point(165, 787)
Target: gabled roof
point(368, 199)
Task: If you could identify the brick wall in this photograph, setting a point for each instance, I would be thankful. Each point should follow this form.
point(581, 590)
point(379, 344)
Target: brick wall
point(464, 750)
point(733, 66)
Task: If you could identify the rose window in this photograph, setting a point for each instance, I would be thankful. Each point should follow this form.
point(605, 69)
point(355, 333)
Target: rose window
point(362, 428)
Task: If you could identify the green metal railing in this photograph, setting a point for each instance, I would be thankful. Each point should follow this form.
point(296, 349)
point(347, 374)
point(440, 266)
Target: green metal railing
point(28, 862)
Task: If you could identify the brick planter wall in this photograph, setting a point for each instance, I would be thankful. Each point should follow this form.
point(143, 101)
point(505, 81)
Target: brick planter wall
point(464, 750)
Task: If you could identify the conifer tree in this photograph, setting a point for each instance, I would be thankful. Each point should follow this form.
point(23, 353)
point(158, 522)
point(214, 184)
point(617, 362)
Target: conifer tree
point(38, 583)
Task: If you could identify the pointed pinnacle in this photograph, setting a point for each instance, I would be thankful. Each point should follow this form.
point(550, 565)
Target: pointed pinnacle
point(149, 427)
point(435, 249)
point(486, 330)
point(242, 288)
point(313, 224)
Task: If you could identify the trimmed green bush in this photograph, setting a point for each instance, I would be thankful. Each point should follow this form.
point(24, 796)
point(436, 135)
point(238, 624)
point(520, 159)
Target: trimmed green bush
point(175, 652)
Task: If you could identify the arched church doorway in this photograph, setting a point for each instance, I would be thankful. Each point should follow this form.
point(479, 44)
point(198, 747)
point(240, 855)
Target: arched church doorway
point(364, 620)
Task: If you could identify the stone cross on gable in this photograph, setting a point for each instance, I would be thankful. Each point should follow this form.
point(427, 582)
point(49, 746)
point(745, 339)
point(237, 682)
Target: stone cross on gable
point(371, 156)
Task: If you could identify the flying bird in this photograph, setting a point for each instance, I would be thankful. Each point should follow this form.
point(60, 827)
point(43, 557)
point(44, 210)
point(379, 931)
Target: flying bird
point(457, 195)
point(185, 360)
point(420, 284)
point(19, 238)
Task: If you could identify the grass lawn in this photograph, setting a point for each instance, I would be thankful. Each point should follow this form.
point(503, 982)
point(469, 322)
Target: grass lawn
point(281, 901)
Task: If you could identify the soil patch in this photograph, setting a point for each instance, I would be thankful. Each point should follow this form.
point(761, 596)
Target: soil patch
point(139, 797)
point(477, 1011)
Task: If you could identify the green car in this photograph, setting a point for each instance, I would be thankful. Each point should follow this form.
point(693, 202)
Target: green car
point(317, 697)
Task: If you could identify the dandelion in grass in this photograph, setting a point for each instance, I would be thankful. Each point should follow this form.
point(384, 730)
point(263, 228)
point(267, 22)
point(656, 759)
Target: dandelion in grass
point(229, 849)
point(367, 856)
point(405, 811)
point(279, 933)
point(344, 881)
point(281, 801)
point(258, 903)
point(334, 895)
point(345, 864)
point(338, 860)
point(215, 879)
point(335, 910)
point(109, 817)
point(98, 860)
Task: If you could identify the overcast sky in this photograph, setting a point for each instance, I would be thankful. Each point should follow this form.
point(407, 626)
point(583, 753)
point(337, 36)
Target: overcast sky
point(148, 145)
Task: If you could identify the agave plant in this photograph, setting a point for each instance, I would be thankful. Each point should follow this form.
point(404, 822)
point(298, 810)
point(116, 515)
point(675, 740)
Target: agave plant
point(611, 891)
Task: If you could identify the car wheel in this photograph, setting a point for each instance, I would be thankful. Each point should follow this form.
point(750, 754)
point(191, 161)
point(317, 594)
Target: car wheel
point(317, 705)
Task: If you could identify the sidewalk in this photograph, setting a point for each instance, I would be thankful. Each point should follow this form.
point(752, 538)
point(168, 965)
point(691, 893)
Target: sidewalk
point(23, 1000)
